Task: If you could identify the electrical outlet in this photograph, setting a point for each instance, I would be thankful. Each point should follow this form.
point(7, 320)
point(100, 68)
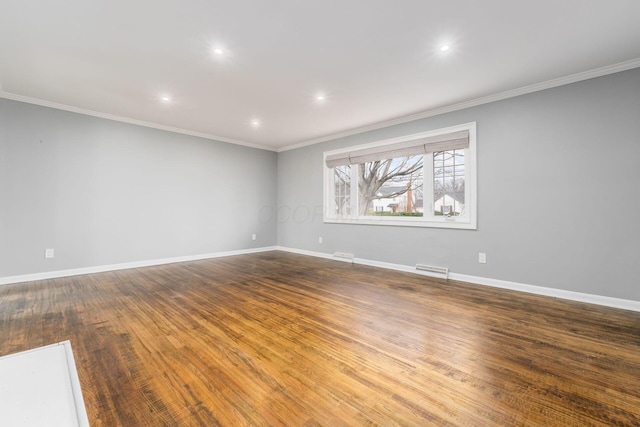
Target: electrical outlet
point(253, 236)
point(482, 258)
point(48, 253)
point(320, 239)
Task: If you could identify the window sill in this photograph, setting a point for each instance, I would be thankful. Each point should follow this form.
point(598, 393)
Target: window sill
point(458, 223)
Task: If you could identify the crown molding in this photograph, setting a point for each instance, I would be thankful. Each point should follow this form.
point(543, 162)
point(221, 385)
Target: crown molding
point(107, 116)
point(561, 81)
point(536, 87)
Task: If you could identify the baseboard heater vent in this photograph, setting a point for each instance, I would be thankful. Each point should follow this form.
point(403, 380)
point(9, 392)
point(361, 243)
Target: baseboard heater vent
point(343, 255)
point(440, 271)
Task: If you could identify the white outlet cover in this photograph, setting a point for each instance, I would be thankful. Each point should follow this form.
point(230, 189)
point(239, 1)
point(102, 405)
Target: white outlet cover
point(253, 237)
point(320, 240)
point(482, 258)
point(48, 253)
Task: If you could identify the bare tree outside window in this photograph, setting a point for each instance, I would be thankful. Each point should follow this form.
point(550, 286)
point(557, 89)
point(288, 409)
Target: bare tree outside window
point(390, 179)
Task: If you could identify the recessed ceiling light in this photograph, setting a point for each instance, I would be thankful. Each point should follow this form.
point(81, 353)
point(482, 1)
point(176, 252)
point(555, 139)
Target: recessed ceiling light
point(165, 98)
point(255, 123)
point(320, 97)
point(445, 47)
point(218, 51)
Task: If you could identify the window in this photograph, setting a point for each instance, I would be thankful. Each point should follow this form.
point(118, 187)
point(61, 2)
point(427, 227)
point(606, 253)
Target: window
point(424, 180)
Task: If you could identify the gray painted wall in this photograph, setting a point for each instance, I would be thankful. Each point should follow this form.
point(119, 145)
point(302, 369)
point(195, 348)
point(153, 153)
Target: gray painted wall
point(102, 192)
point(567, 159)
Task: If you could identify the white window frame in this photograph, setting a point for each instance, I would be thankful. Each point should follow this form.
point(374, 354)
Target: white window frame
point(429, 219)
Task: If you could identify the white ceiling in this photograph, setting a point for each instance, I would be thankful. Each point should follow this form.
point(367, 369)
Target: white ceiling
point(376, 60)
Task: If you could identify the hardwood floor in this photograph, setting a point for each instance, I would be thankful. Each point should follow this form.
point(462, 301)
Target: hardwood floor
point(277, 339)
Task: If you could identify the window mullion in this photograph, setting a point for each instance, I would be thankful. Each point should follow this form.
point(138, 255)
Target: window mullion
point(427, 202)
point(355, 173)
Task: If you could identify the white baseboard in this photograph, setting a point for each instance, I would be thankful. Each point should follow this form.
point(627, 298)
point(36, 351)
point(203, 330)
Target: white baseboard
point(357, 261)
point(538, 290)
point(123, 266)
point(312, 253)
point(503, 284)
point(624, 304)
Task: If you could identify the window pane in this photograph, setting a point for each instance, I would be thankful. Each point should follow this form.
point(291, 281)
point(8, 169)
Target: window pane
point(372, 190)
point(391, 187)
point(342, 189)
point(448, 183)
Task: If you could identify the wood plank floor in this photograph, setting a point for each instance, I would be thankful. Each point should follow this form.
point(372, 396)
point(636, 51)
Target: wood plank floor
point(277, 339)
